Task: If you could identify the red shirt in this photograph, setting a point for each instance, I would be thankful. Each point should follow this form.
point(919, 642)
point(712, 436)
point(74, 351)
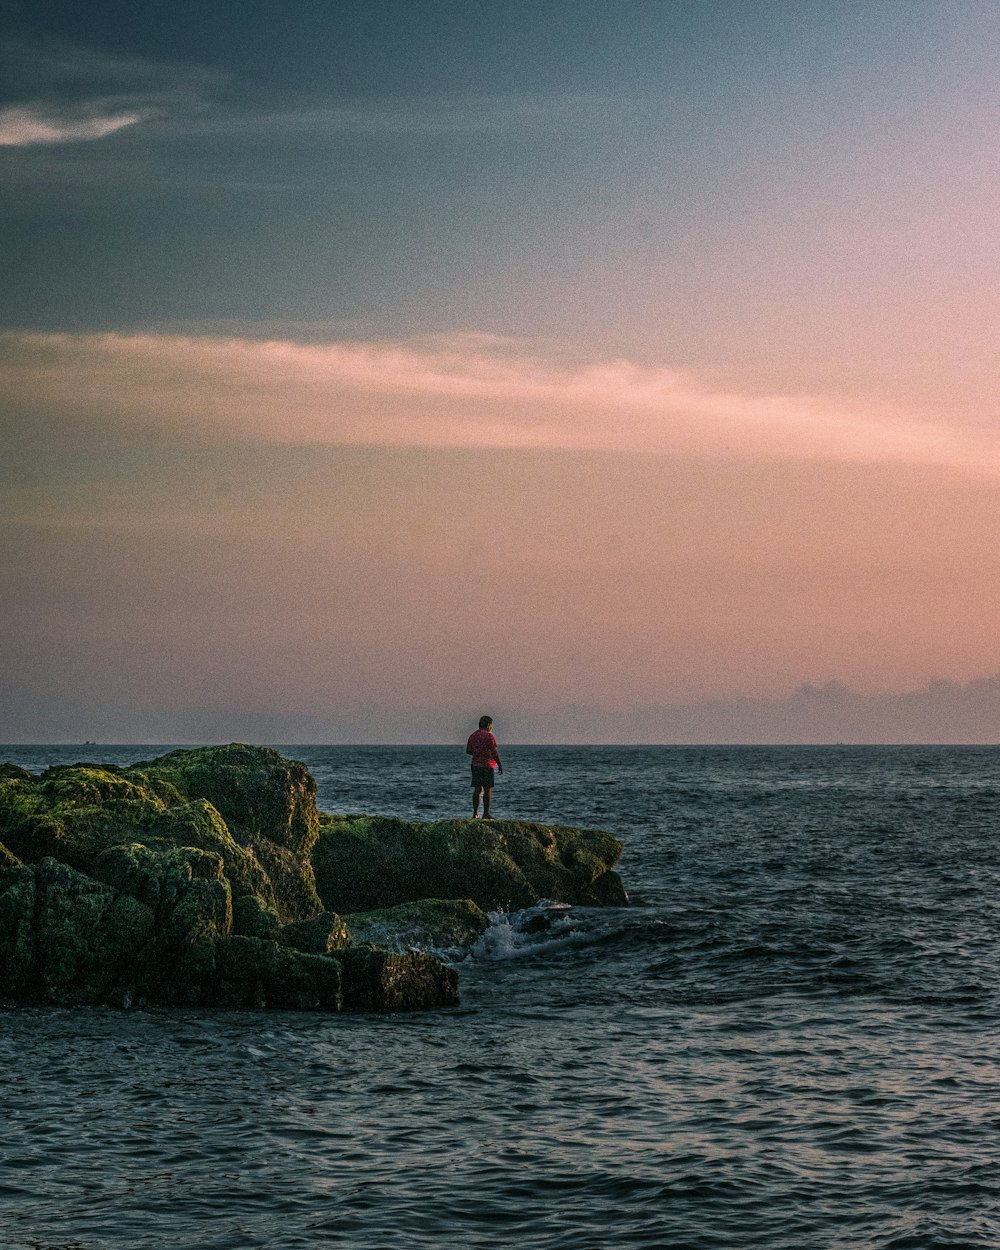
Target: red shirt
point(482, 746)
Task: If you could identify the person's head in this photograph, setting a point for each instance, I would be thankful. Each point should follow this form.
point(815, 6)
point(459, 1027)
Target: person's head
point(485, 722)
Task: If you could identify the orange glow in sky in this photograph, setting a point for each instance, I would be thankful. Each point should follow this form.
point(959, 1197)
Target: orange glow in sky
point(640, 386)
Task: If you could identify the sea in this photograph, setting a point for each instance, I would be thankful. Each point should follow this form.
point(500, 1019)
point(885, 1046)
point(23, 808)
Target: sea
point(787, 1041)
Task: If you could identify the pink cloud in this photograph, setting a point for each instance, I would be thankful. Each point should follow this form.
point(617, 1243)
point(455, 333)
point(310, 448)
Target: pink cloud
point(464, 391)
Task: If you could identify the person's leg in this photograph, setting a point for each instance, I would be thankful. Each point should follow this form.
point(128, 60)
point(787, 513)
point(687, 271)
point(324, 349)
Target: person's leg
point(476, 792)
point(487, 795)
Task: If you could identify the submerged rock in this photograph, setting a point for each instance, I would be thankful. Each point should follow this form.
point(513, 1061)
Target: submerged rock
point(191, 880)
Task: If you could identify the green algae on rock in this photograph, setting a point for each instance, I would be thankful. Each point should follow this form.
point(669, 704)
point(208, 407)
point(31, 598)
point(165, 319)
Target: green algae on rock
point(366, 862)
point(432, 924)
point(67, 938)
point(191, 880)
point(157, 931)
point(267, 803)
point(7, 859)
point(380, 980)
point(199, 824)
point(73, 813)
point(183, 881)
point(321, 935)
point(254, 974)
point(258, 792)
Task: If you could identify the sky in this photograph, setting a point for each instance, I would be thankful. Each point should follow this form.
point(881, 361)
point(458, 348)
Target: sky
point(626, 372)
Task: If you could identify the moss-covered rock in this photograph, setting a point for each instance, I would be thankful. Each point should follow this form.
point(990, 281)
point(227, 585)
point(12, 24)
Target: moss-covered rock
point(259, 793)
point(267, 806)
point(254, 973)
point(199, 824)
point(74, 813)
point(14, 772)
point(190, 898)
point(321, 935)
point(189, 880)
point(67, 938)
point(7, 860)
point(10, 865)
point(292, 881)
point(153, 929)
point(368, 862)
point(431, 924)
point(156, 876)
point(253, 918)
point(379, 980)
point(185, 887)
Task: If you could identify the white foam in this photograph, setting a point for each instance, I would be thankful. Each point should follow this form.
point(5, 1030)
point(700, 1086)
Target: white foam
point(533, 931)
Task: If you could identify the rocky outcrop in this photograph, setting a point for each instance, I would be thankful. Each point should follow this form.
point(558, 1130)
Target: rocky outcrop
point(208, 878)
point(268, 804)
point(365, 862)
point(67, 938)
point(432, 924)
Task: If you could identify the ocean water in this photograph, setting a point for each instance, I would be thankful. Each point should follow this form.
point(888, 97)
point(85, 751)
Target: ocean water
point(788, 1041)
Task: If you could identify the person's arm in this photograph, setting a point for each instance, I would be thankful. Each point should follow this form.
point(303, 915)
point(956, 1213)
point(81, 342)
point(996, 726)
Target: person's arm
point(468, 747)
point(496, 756)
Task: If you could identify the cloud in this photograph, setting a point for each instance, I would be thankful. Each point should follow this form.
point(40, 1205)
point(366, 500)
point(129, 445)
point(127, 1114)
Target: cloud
point(59, 92)
point(23, 126)
point(431, 115)
point(940, 712)
point(48, 84)
point(464, 391)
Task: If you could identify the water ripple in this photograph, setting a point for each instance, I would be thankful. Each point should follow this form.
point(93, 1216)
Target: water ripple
point(790, 1042)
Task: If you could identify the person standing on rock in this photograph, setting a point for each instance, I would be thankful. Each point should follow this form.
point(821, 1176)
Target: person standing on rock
point(482, 746)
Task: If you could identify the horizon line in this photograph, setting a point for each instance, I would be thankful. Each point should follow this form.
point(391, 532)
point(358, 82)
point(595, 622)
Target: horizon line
point(455, 743)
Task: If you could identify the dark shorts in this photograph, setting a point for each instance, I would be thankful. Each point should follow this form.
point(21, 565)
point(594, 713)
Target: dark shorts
point(482, 777)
